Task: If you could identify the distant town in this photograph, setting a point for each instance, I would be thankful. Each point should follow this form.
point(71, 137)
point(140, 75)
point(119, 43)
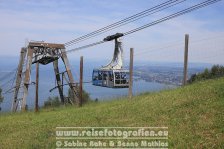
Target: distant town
point(161, 74)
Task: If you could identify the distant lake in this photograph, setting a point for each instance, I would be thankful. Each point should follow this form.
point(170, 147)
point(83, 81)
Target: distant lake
point(101, 93)
point(47, 82)
point(139, 86)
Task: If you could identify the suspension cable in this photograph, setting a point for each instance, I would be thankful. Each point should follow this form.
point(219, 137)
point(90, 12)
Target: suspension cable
point(182, 12)
point(127, 20)
point(172, 16)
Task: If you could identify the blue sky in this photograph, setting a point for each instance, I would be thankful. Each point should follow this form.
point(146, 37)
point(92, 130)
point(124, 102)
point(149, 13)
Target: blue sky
point(60, 21)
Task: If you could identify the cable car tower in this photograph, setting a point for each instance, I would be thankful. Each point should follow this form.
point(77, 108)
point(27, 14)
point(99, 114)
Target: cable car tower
point(41, 53)
point(113, 75)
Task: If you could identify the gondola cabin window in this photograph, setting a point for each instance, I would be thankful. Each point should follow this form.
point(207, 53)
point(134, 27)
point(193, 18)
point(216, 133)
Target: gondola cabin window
point(111, 78)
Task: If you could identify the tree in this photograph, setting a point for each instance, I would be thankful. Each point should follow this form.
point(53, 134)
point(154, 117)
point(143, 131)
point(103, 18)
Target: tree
point(205, 74)
point(215, 72)
point(1, 97)
point(193, 78)
point(52, 102)
point(85, 96)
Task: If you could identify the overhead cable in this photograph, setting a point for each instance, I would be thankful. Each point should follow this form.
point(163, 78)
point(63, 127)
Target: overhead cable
point(127, 20)
point(179, 13)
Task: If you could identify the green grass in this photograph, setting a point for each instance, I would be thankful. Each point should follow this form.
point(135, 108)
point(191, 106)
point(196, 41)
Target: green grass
point(193, 114)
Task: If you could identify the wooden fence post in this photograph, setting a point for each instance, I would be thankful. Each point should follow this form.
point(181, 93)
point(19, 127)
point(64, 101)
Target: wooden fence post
point(37, 87)
point(81, 81)
point(185, 59)
point(130, 93)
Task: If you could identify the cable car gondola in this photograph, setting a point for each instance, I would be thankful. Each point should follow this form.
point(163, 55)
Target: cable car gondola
point(111, 78)
point(112, 75)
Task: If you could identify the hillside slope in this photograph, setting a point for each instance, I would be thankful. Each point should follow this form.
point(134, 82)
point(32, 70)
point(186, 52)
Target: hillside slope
point(193, 114)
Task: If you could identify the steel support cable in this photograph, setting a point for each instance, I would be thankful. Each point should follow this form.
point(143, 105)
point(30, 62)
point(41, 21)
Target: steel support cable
point(12, 89)
point(86, 46)
point(8, 74)
point(85, 82)
point(212, 56)
point(3, 85)
point(180, 13)
point(123, 24)
point(158, 49)
point(13, 81)
point(174, 44)
point(14, 78)
point(125, 21)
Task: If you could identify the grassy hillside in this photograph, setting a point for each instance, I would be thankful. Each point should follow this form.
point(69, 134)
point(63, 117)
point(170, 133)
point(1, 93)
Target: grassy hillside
point(193, 114)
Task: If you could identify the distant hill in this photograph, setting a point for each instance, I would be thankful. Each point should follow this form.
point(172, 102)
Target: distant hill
point(193, 114)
